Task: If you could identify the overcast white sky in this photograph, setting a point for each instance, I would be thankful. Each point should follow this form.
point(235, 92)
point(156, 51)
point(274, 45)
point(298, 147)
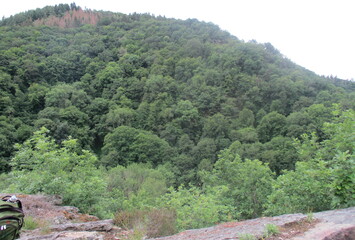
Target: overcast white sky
point(316, 34)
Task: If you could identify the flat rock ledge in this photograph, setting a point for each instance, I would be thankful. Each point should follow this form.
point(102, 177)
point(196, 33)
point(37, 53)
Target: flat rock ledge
point(332, 225)
point(232, 230)
point(99, 226)
point(66, 223)
point(69, 236)
point(97, 230)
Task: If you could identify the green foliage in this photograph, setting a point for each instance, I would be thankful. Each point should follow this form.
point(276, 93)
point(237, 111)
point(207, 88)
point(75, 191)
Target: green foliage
point(344, 183)
point(216, 127)
point(280, 153)
point(298, 123)
point(150, 223)
point(338, 151)
point(246, 236)
point(307, 188)
point(188, 119)
point(31, 223)
point(167, 76)
point(248, 183)
point(166, 102)
point(195, 208)
point(325, 178)
point(246, 118)
point(340, 137)
point(341, 147)
point(271, 125)
point(40, 165)
point(271, 230)
point(140, 185)
point(127, 145)
point(310, 217)
point(32, 15)
point(246, 135)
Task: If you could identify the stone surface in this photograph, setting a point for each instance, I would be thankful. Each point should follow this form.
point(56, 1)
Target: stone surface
point(343, 234)
point(100, 226)
point(232, 230)
point(66, 223)
point(332, 225)
point(70, 235)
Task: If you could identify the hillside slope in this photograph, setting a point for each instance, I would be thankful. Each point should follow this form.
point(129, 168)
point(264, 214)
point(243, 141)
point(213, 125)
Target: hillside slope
point(175, 120)
point(196, 88)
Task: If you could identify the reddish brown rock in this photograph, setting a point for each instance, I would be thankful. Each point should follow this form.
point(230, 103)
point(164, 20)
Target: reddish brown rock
point(343, 234)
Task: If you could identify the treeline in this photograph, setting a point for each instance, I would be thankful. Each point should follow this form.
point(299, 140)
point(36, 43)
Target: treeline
point(171, 94)
point(27, 18)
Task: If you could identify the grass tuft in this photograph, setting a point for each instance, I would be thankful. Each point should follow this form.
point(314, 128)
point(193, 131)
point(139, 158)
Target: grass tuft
point(271, 230)
point(246, 236)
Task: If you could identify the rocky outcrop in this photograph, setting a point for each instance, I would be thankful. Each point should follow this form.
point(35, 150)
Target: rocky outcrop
point(233, 230)
point(343, 234)
point(332, 225)
point(66, 223)
point(63, 222)
point(100, 226)
point(329, 225)
point(67, 235)
point(104, 229)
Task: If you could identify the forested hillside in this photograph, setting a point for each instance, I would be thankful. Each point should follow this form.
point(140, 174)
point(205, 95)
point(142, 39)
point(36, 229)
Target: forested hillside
point(110, 110)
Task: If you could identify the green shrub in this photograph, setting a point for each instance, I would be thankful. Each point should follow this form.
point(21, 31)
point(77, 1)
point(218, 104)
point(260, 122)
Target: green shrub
point(162, 222)
point(246, 236)
point(41, 165)
point(271, 230)
point(31, 223)
point(153, 222)
point(249, 183)
point(196, 208)
point(137, 234)
point(129, 219)
point(308, 188)
point(310, 217)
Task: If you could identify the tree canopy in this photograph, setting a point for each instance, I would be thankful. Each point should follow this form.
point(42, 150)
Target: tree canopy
point(233, 127)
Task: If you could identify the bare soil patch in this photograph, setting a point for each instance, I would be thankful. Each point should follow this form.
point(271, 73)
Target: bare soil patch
point(293, 229)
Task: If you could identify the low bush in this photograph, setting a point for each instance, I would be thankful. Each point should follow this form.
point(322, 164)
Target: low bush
point(271, 230)
point(246, 236)
point(153, 222)
point(31, 223)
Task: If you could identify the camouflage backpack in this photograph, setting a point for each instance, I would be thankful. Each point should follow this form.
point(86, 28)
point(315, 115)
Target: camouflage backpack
point(11, 218)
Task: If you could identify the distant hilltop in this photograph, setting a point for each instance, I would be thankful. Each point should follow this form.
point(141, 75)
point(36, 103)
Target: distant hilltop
point(62, 15)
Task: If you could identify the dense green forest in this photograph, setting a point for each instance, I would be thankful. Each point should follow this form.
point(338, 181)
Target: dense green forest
point(143, 116)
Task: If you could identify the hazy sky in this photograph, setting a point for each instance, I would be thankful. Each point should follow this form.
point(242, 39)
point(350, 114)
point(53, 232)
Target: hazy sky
point(316, 34)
